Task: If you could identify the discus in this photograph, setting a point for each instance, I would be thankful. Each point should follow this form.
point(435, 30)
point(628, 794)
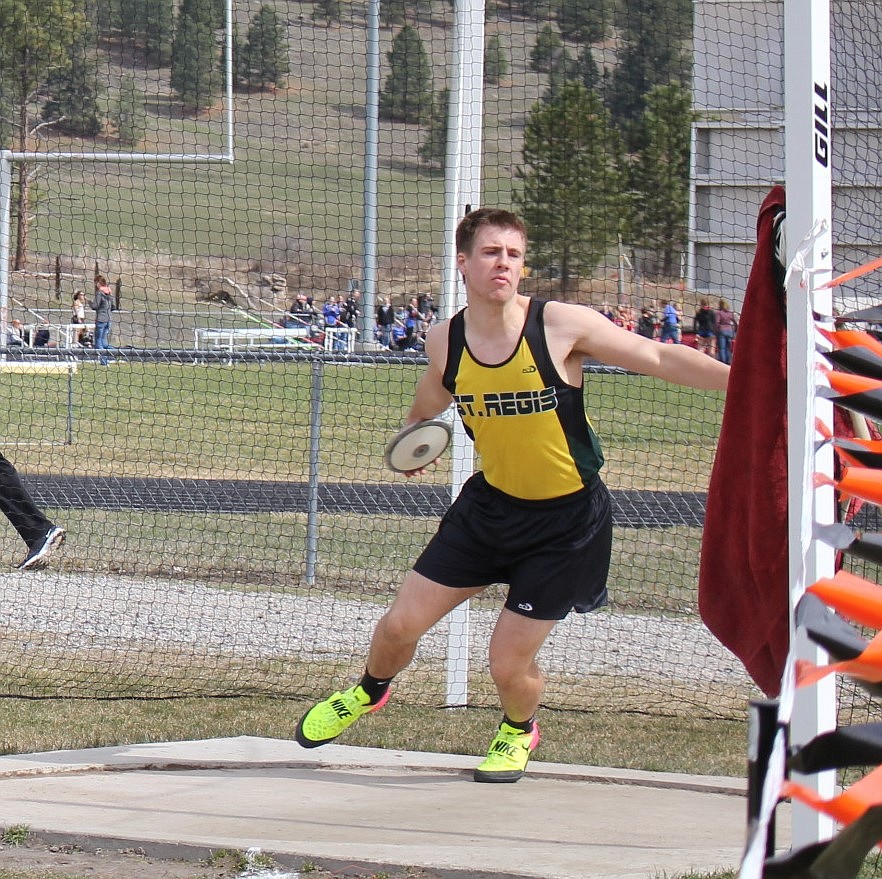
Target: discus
point(418, 445)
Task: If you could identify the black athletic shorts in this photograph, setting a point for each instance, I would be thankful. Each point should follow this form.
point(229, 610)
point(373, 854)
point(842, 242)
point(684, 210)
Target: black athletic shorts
point(553, 554)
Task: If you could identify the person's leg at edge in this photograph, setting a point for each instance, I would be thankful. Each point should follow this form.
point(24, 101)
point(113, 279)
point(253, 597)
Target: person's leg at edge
point(520, 683)
point(419, 604)
point(39, 533)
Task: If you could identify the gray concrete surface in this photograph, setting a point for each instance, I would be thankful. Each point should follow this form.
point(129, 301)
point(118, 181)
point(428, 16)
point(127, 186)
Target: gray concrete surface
point(344, 806)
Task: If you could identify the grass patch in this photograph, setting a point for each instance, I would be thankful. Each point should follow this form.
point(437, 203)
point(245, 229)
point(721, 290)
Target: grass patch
point(631, 741)
point(222, 421)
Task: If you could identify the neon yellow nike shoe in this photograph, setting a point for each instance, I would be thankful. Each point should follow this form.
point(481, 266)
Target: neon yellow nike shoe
point(509, 754)
point(326, 720)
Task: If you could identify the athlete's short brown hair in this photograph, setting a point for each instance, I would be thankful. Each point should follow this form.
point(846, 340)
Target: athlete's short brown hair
point(470, 224)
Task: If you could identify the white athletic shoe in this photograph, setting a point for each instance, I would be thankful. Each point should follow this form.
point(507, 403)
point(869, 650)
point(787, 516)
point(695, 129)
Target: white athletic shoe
point(38, 554)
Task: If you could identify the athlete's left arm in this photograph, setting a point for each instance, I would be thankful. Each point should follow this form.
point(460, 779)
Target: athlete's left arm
point(581, 331)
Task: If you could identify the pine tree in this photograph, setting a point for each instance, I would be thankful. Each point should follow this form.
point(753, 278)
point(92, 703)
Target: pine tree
point(563, 69)
point(158, 31)
point(660, 179)
point(129, 115)
point(656, 40)
point(195, 72)
point(572, 182)
point(495, 61)
point(433, 150)
point(548, 44)
point(5, 113)
point(407, 94)
point(328, 11)
point(266, 50)
point(394, 12)
point(74, 90)
point(37, 38)
point(585, 21)
point(587, 69)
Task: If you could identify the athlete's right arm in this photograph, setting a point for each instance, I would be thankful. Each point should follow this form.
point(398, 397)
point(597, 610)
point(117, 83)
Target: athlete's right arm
point(431, 398)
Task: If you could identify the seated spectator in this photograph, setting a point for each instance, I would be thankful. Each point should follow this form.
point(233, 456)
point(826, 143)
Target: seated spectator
point(607, 312)
point(14, 334)
point(41, 337)
point(399, 337)
point(301, 313)
point(624, 317)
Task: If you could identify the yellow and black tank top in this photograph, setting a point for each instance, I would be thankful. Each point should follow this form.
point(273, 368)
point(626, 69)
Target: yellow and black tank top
point(528, 424)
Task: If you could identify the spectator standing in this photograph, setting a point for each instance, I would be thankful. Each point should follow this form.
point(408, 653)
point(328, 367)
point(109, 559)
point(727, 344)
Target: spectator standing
point(413, 323)
point(39, 533)
point(705, 332)
point(78, 308)
point(352, 309)
point(607, 312)
point(670, 330)
point(725, 327)
point(385, 320)
point(646, 324)
point(332, 316)
point(103, 305)
point(427, 308)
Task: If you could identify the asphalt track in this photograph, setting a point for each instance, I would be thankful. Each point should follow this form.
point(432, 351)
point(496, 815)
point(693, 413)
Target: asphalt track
point(360, 810)
point(631, 509)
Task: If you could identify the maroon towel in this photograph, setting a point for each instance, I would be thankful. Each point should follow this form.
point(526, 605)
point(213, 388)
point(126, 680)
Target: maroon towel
point(743, 586)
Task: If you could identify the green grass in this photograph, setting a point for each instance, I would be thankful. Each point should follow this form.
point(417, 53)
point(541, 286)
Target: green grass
point(630, 741)
point(224, 421)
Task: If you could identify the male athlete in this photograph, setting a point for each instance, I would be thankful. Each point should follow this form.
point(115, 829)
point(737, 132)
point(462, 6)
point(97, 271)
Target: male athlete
point(537, 517)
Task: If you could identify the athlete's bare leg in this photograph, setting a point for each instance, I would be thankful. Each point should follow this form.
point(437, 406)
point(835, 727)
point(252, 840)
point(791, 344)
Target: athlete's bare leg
point(420, 603)
point(513, 647)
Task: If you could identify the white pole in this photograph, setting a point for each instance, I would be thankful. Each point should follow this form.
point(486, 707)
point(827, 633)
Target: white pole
point(228, 67)
point(463, 190)
point(5, 222)
point(809, 206)
point(371, 165)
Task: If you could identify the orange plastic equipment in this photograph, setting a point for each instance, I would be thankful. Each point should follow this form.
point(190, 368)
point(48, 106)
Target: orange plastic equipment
point(849, 383)
point(866, 667)
point(854, 597)
point(851, 339)
point(849, 805)
point(860, 482)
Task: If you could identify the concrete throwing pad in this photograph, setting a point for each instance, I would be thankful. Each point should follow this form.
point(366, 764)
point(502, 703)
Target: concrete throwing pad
point(359, 806)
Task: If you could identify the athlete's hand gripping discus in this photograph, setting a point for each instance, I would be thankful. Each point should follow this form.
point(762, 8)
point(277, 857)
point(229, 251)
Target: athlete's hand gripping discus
point(418, 445)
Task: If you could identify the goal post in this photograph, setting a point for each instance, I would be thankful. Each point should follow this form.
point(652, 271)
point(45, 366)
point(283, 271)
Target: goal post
point(9, 157)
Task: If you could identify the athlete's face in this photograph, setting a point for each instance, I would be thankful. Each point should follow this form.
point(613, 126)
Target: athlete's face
point(492, 269)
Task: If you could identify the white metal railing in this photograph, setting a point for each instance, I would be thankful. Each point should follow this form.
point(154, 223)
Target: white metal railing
point(60, 335)
point(336, 339)
point(250, 337)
